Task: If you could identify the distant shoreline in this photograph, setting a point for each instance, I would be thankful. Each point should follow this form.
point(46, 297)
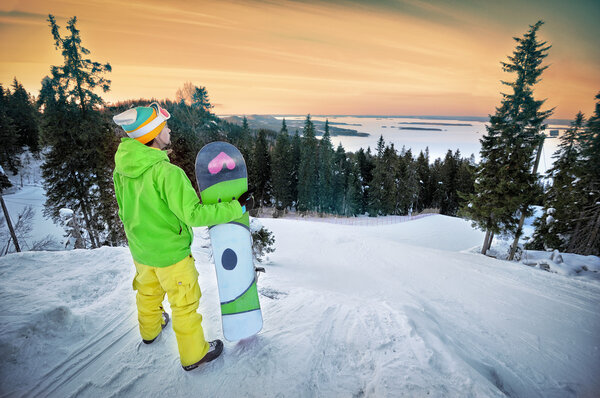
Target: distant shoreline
point(482, 119)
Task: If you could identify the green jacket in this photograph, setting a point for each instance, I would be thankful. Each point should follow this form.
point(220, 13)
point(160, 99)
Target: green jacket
point(158, 205)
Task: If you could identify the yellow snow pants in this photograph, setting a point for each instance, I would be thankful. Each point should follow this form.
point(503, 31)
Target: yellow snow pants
point(180, 282)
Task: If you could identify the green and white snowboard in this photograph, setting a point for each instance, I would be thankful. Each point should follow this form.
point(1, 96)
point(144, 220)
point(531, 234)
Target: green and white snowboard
point(222, 177)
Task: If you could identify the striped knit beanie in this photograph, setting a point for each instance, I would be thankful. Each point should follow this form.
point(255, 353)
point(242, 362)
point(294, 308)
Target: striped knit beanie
point(143, 123)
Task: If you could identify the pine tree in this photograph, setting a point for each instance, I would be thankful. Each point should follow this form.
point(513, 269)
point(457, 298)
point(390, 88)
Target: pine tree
point(449, 173)
point(560, 200)
point(281, 172)
point(341, 172)
point(585, 238)
point(408, 185)
point(423, 178)
point(391, 194)
point(192, 126)
point(325, 172)
point(365, 163)
point(10, 148)
point(72, 127)
point(383, 168)
point(79, 76)
point(23, 112)
point(246, 143)
point(295, 155)
point(261, 173)
point(465, 180)
point(354, 205)
point(307, 170)
point(506, 184)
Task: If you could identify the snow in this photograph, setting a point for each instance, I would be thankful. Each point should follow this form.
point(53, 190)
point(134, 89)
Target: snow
point(408, 309)
point(65, 213)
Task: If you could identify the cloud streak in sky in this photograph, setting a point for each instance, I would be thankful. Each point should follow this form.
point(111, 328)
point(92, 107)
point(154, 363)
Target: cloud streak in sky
point(350, 57)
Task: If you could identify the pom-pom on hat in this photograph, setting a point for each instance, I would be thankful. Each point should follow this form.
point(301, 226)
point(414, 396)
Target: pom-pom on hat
point(143, 123)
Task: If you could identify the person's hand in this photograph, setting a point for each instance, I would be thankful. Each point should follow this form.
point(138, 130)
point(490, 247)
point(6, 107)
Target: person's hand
point(246, 199)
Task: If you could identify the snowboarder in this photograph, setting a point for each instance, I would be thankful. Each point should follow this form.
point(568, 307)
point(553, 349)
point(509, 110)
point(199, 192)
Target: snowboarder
point(158, 206)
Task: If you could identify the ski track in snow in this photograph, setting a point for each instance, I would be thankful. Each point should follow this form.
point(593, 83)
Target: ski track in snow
point(398, 310)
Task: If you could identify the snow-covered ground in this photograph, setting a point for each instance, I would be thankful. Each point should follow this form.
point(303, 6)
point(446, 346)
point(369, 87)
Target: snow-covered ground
point(350, 311)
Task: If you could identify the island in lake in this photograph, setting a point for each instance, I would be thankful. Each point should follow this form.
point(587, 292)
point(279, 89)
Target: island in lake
point(437, 124)
point(420, 128)
point(269, 122)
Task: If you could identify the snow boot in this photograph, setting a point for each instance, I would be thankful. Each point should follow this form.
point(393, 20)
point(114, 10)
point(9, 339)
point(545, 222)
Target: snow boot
point(216, 348)
point(164, 325)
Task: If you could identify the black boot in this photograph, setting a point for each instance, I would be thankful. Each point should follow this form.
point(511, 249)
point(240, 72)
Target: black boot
point(216, 348)
point(164, 325)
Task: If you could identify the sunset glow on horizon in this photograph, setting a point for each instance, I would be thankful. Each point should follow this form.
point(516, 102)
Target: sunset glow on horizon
point(297, 57)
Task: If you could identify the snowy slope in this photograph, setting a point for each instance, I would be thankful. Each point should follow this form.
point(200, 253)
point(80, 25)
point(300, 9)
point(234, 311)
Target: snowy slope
point(350, 311)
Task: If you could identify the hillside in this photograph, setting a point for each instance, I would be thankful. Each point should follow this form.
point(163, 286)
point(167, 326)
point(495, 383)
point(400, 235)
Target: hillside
point(398, 310)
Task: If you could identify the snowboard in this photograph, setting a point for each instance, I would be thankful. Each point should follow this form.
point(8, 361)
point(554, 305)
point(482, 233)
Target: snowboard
point(222, 177)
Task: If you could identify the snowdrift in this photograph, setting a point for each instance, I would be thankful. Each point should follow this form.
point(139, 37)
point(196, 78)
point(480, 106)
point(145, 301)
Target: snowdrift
point(397, 310)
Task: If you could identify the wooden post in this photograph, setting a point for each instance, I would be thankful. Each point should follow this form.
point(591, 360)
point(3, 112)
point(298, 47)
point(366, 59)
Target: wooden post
point(9, 223)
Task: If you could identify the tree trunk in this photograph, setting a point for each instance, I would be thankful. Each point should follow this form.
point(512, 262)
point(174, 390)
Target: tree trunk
point(519, 231)
point(9, 223)
point(79, 243)
point(591, 249)
point(485, 246)
point(575, 236)
point(86, 217)
point(88, 225)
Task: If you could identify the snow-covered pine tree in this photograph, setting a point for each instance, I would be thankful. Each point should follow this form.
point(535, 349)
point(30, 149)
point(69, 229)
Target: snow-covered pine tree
point(325, 172)
point(506, 184)
point(553, 229)
point(307, 170)
point(4, 181)
point(73, 234)
point(586, 235)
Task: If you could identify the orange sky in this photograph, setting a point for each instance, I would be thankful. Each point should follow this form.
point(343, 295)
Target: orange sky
point(404, 57)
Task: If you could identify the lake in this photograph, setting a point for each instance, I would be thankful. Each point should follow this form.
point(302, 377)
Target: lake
point(418, 133)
